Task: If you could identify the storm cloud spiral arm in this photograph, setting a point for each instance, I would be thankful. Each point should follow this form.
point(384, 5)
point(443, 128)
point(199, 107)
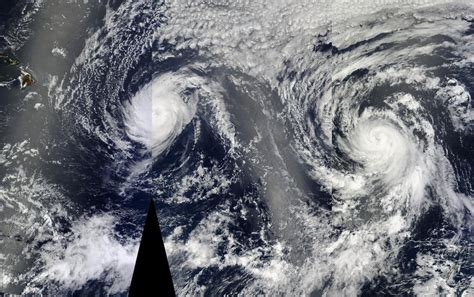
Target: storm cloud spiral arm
point(292, 148)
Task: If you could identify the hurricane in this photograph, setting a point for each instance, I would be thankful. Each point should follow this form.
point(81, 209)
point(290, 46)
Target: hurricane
point(292, 148)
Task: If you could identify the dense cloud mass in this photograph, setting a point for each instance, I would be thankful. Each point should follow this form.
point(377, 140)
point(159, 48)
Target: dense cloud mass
point(292, 148)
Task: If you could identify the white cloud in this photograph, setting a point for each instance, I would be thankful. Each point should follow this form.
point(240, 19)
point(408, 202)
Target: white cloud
point(91, 251)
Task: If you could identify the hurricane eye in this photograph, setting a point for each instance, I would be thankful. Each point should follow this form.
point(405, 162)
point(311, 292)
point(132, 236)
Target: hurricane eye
point(291, 148)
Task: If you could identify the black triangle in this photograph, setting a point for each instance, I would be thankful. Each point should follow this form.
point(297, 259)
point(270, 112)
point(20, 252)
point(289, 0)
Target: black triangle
point(151, 276)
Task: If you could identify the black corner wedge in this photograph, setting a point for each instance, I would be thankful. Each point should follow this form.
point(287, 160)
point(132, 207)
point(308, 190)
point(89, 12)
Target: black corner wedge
point(151, 276)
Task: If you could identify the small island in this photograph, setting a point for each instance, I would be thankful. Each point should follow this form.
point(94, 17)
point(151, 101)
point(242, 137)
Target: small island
point(26, 79)
point(12, 73)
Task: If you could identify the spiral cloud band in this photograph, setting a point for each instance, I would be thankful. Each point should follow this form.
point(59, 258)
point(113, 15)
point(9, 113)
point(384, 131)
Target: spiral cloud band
point(293, 148)
point(157, 113)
